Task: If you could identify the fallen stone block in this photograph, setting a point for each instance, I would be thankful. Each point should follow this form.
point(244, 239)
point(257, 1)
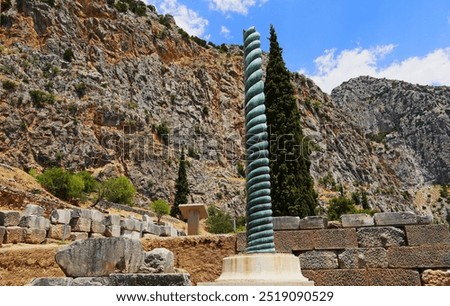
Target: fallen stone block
point(357, 220)
point(2, 233)
point(314, 260)
point(130, 234)
point(395, 218)
point(419, 257)
point(51, 281)
point(332, 239)
point(78, 236)
point(436, 277)
point(33, 221)
point(33, 210)
point(427, 234)
point(80, 224)
point(313, 222)
point(9, 218)
point(100, 257)
point(14, 234)
point(98, 227)
point(363, 258)
point(35, 235)
point(60, 232)
point(97, 216)
point(371, 237)
point(159, 260)
point(112, 220)
point(60, 216)
point(112, 231)
point(285, 223)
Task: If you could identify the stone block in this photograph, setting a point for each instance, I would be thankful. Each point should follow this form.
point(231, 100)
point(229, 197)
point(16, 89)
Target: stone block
point(427, 234)
point(169, 279)
point(80, 224)
point(112, 220)
point(127, 224)
point(423, 220)
point(372, 237)
point(92, 281)
point(241, 241)
point(138, 225)
point(147, 218)
point(159, 260)
point(96, 235)
point(288, 241)
point(130, 234)
point(337, 277)
point(35, 236)
point(51, 281)
point(98, 227)
point(33, 221)
point(314, 260)
point(392, 277)
point(357, 220)
point(60, 216)
point(285, 223)
point(14, 234)
point(2, 234)
point(332, 239)
point(419, 257)
point(58, 232)
point(168, 231)
point(363, 258)
point(97, 216)
point(153, 229)
point(78, 236)
point(313, 222)
point(435, 277)
point(100, 257)
point(81, 213)
point(33, 210)
point(395, 218)
point(112, 231)
point(9, 218)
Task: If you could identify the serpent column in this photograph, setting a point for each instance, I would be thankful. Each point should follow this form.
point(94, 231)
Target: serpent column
point(259, 207)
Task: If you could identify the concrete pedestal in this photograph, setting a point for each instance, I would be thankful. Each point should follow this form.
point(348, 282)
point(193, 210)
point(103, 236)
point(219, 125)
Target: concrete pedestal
point(261, 270)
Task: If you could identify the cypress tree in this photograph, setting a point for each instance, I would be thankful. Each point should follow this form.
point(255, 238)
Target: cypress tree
point(292, 187)
point(181, 187)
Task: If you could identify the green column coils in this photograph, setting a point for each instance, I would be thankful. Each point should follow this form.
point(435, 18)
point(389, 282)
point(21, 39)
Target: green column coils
point(259, 207)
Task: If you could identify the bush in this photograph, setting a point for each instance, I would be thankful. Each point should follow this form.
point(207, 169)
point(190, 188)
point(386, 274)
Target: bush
point(340, 206)
point(163, 132)
point(240, 169)
point(49, 2)
point(121, 7)
point(68, 55)
point(5, 5)
point(161, 208)
point(80, 89)
point(9, 85)
point(118, 190)
point(90, 184)
point(218, 222)
point(39, 97)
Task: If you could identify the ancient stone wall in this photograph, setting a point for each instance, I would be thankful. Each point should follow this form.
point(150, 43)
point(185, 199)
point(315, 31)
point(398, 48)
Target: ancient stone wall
point(389, 249)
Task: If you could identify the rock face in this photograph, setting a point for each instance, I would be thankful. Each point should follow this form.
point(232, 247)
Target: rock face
point(100, 257)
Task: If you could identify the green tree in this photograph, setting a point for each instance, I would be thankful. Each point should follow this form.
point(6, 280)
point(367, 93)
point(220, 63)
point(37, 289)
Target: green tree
point(56, 181)
point(340, 206)
point(292, 185)
point(118, 190)
point(181, 187)
point(218, 222)
point(161, 208)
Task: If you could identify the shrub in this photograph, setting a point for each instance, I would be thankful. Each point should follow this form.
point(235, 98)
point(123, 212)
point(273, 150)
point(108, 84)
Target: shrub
point(39, 97)
point(200, 42)
point(340, 206)
point(90, 184)
point(9, 85)
point(163, 132)
point(49, 2)
point(56, 181)
point(68, 55)
point(118, 190)
point(161, 208)
point(75, 187)
point(218, 222)
point(240, 169)
point(80, 89)
point(5, 5)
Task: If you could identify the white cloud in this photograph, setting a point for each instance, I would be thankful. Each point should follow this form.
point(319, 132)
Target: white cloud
point(186, 18)
point(234, 6)
point(225, 31)
point(332, 70)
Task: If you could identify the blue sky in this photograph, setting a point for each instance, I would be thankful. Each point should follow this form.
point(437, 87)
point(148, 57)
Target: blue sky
point(332, 41)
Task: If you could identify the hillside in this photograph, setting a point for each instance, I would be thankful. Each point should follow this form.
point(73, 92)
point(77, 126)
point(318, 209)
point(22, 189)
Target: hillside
point(85, 86)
